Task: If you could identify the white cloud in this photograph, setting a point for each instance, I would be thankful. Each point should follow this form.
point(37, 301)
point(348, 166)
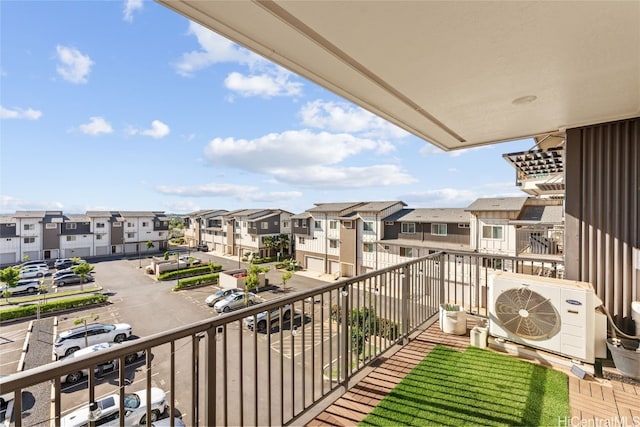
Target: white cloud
point(74, 66)
point(129, 7)
point(344, 117)
point(265, 85)
point(19, 113)
point(96, 126)
point(213, 49)
point(245, 193)
point(158, 130)
point(307, 158)
point(12, 204)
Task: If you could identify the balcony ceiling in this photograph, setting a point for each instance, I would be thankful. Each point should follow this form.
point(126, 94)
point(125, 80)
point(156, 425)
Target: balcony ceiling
point(454, 73)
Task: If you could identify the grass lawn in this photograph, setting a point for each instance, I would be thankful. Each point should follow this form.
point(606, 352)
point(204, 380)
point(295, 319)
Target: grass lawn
point(476, 387)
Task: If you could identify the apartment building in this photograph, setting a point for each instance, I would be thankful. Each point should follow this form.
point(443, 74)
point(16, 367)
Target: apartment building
point(53, 234)
point(336, 238)
point(205, 227)
point(247, 230)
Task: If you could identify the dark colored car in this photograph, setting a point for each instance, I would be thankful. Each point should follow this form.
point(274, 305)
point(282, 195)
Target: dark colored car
point(203, 247)
point(69, 279)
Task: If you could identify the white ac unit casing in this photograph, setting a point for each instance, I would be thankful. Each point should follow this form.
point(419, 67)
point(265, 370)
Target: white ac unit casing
point(554, 315)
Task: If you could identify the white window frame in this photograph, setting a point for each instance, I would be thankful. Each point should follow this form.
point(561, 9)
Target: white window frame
point(70, 226)
point(29, 227)
point(333, 224)
point(333, 243)
point(300, 240)
point(408, 252)
point(71, 238)
point(28, 240)
point(131, 235)
point(317, 224)
point(368, 247)
point(117, 224)
point(99, 224)
point(436, 229)
point(369, 226)
point(51, 226)
point(264, 225)
point(492, 229)
point(407, 228)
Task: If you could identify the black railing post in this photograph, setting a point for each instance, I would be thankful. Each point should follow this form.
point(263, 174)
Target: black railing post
point(346, 357)
point(405, 304)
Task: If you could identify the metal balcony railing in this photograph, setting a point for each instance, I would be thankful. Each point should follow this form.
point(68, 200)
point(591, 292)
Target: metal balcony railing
point(227, 374)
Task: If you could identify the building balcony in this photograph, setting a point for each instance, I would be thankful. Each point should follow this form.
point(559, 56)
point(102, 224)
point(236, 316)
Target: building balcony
point(227, 374)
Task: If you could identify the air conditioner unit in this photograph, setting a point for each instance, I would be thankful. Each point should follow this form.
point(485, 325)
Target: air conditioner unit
point(554, 315)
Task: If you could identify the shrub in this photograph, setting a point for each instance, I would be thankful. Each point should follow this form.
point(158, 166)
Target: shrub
point(52, 306)
point(336, 313)
point(189, 272)
point(204, 280)
point(388, 329)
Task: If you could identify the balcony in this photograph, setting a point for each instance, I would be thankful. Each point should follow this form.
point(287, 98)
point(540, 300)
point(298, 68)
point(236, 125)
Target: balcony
point(288, 372)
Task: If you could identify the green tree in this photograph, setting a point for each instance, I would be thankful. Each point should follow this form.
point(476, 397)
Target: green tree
point(271, 243)
point(285, 278)
point(10, 277)
point(252, 281)
point(83, 321)
point(283, 243)
point(149, 245)
point(83, 270)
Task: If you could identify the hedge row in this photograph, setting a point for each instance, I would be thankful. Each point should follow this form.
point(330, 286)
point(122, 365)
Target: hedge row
point(207, 279)
point(52, 306)
point(189, 272)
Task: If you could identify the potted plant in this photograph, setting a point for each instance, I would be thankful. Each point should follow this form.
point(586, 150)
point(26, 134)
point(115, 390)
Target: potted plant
point(453, 319)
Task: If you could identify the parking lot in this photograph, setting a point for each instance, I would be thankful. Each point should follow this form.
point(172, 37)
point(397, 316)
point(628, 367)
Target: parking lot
point(149, 307)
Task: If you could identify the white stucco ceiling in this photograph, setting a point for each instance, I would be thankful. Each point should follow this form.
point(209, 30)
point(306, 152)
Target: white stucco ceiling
point(455, 73)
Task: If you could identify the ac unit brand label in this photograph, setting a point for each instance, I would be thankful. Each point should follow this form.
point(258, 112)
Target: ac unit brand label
point(573, 302)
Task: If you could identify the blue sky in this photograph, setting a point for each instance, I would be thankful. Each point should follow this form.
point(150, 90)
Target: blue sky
point(126, 105)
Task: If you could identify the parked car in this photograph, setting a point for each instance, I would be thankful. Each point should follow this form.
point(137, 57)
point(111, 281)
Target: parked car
point(263, 317)
point(233, 302)
point(102, 368)
point(189, 260)
point(166, 422)
point(33, 271)
point(29, 286)
point(202, 247)
point(108, 410)
point(74, 339)
point(39, 263)
point(71, 278)
point(62, 263)
point(212, 299)
point(5, 397)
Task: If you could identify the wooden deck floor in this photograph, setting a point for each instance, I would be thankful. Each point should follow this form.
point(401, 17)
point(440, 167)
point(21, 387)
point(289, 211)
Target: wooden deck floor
point(593, 401)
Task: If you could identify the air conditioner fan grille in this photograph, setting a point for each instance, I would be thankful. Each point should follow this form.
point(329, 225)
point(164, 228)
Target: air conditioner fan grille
point(527, 314)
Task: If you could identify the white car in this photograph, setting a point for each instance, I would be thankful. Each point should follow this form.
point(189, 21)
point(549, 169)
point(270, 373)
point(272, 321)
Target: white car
point(189, 260)
point(233, 302)
point(107, 411)
point(101, 369)
point(29, 286)
point(212, 299)
point(74, 339)
point(32, 271)
point(261, 318)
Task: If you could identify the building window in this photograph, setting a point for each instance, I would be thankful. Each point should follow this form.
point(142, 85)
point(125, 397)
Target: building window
point(367, 247)
point(333, 225)
point(386, 247)
point(409, 227)
point(301, 240)
point(161, 233)
point(71, 226)
point(333, 243)
point(492, 232)
point(99, 224)
point(131, 235)
point(130, 224)
point(406, 252)
point(368, 226)
point(29, 240)
point(253, 239)
point(304, 224)
point(264, 225)
point(145, 224)
point(318, 225)
point(99, 236)
point(50, 226)
point(464, 225)
point(439, 229)
point(29, 227)
point(285, 224)
point(117, 224)
point(71, 238)
point(348, 224)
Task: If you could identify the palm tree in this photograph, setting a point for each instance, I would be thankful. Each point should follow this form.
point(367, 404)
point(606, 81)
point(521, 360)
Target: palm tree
point(271, 243)
point(83, 271)
point(283, 243)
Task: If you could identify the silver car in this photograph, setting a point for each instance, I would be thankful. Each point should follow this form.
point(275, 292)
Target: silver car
point(74, 339)
point(262, 318)
point(101, 369)
point(234, 302)
point(220, 294)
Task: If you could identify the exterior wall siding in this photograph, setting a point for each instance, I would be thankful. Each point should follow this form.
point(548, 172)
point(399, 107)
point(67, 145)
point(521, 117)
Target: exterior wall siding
point(602, 235)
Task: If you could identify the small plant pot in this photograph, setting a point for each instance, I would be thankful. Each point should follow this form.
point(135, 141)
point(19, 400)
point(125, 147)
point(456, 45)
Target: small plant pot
point(453, 319)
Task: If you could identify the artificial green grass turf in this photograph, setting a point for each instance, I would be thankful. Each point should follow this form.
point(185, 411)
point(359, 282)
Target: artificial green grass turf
point(477, 387)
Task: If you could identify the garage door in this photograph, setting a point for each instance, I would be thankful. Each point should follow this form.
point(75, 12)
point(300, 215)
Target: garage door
point(77, 252)
point(335, 267)
point(102, 250)
point(315, 264)
point(7, 258)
